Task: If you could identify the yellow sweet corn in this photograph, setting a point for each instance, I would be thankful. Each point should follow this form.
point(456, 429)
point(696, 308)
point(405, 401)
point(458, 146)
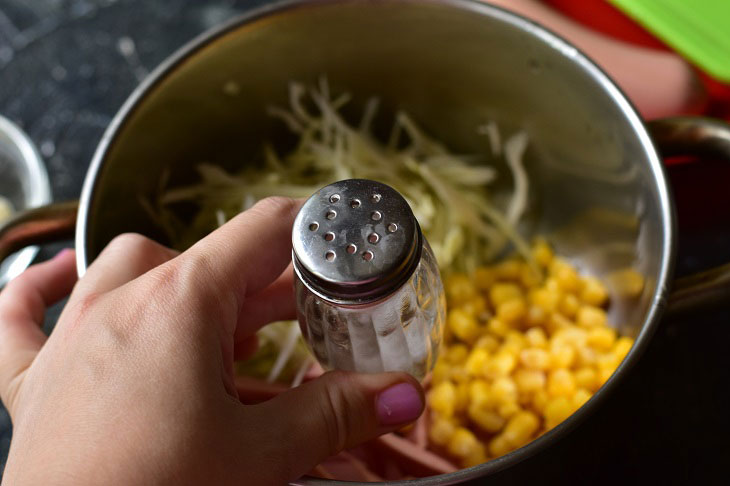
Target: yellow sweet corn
point(519, 356)
point(512, 309)
point(499, 446)
point(502, 292)
point(601, 337)
point(462, 443)
point(561, 382)
point(520, 428)
point(556, 410)
point(487, 420)
point(442, 398)
point(591, 316)
point(594, 292)
point(535, 358)
point(529, 381)
point(459, 289)
point(536, 337)
point(484, 278)
point(463, 325)
point(441, 431)
point(476, 361)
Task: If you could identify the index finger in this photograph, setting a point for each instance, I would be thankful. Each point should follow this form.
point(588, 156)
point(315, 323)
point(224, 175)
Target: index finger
point(246, 254)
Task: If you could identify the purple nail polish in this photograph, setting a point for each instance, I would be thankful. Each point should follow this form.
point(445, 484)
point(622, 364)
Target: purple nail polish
point(399, 404)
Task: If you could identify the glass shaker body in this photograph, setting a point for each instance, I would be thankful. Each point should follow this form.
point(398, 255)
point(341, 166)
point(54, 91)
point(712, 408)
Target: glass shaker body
point(401, 332)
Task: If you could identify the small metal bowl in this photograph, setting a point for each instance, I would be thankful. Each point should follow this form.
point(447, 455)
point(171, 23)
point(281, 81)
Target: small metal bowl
point(24, 183)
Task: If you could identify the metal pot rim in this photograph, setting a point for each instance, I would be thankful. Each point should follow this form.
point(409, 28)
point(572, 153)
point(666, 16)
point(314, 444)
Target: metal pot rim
point(541, 34)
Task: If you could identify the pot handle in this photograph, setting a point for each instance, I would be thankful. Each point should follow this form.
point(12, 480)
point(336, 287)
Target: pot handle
point(44, 224)
point(706, 137)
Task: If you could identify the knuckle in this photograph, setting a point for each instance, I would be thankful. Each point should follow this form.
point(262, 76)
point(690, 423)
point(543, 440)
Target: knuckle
point(338, 408)
point(276, 206)
point(130, 241)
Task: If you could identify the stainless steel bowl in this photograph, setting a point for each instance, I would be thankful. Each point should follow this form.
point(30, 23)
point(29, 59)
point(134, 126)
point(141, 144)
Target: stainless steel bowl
point(599, 191)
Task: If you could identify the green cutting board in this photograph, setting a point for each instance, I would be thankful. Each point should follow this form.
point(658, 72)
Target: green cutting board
point(698, 29)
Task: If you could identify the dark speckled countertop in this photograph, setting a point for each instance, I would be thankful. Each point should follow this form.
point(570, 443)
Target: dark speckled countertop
point(66, 66)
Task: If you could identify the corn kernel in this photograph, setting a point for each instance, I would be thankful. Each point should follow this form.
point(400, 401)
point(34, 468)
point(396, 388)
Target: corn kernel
point(476, 457)
point(557, 410)
point(569, 305)
point(504, 389)
point(508, 269)
point(603, 375)
point(487, 420)
point(459, 289)
point(607, 361)
point(535, 358)
point(442, 398)
point(512, 310)
point(441, 431)
point(502, 292)
point(462, 443)
point(542, 253)
point(479, 394)
point(557, 321)
point(581, 396)
point(475, 362)
point(566, 275)
point(540, 399)
point(520, 428)
point(594, 292)
point(529, 277)
point(529, 380)
point(499, 446)
point(441, 372)
point(546, 299)
point(488, 343)
point(501, 364)
point(536, 337)
point(459, 374)
point(551, 284)
point(535, 316)
point(484, 278)
point(585, 356)
point(475, 306)
point(622, 347)
point(508, 409)
point(561, 356)
point(586, 377)
point(590, 316)
point(498, 327)
point(573, 335)
point(601, 337)
point(560, 382)
point(514, 341)
point(463, 325)
point(627, 282)
point(456, 353)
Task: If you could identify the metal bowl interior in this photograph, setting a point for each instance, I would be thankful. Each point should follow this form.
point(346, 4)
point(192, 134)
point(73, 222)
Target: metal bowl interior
point(598, 192)
point(24, 182)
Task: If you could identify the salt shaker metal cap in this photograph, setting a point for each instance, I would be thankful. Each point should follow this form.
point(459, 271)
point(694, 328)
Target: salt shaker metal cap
point(355, 241)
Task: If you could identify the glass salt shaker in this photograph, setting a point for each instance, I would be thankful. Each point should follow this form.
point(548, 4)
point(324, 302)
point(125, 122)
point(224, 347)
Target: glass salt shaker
point(368, 290)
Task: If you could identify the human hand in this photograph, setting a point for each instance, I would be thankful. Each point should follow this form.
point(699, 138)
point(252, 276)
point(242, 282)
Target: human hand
point(135, 384)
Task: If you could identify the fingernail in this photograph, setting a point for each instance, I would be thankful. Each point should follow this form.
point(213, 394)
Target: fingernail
point(399, 404)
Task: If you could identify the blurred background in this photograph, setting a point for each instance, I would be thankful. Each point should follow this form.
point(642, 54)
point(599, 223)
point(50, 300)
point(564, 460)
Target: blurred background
point(66, 66)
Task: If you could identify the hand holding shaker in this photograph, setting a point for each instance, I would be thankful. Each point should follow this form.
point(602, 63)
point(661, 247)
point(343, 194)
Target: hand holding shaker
point(368, 290)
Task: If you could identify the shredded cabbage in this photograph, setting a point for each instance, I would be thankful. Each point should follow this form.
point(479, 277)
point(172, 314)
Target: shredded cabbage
point(448, 192)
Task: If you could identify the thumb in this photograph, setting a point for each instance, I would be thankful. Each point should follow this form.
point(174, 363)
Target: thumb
point(337, 411)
